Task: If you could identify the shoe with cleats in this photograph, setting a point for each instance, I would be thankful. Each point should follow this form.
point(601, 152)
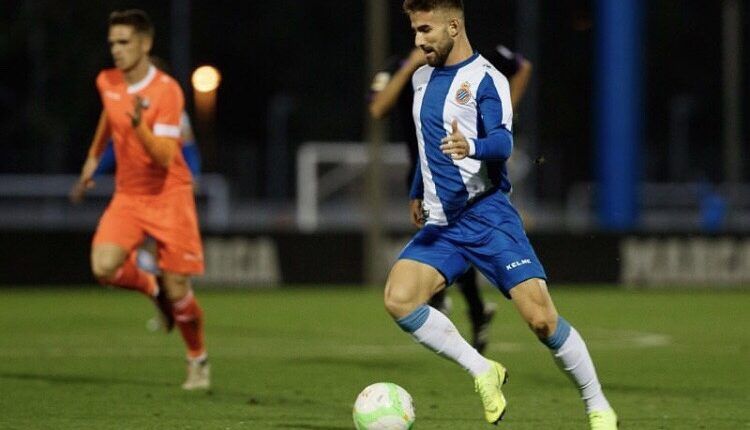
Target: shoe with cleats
point(488, 385)
point(603, 420)
point(198, 375)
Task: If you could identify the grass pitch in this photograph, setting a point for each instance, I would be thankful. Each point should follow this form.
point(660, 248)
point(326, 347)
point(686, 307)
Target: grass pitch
point(296, 359)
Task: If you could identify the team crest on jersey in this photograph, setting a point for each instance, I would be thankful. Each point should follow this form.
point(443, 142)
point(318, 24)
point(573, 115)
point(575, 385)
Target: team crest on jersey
point(463, 95)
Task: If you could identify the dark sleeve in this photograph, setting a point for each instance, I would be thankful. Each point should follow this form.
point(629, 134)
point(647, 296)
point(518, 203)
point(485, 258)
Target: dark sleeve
point(498, 142)
point(417, 185)
point(107, 161)
point(505, 60)
point(192, 157)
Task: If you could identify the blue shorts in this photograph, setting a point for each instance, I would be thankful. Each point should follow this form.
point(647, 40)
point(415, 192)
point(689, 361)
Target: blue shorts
point(489, 235)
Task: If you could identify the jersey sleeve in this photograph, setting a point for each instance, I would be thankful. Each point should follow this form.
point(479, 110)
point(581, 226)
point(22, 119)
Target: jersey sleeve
point(417, 184)
point(171, 105)
point(100, 82)
point(496, 114)
point(506, 61)
point(107, 161)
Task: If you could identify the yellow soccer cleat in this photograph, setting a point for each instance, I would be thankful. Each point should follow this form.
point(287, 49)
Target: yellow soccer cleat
point(488, 386)
point(603, 420)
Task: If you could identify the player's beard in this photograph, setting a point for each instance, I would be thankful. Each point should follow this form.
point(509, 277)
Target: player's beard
point(441, 52)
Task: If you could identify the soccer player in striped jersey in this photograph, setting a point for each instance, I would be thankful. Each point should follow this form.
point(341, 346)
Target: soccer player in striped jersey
point(391, 91)
point(463, 117)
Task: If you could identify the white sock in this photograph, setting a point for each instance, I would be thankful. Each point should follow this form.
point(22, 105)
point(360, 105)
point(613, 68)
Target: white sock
point(434, 330)
point(573, 358)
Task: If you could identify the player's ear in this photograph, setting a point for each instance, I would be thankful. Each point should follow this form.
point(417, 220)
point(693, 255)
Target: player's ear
point(453, 27)
point(147, 42)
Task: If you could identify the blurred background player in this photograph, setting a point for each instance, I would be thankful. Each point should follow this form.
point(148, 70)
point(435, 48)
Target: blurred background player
point(190, 150)
point(146, 255)
point(142, 110)
point(464, 114)
point(392, 91)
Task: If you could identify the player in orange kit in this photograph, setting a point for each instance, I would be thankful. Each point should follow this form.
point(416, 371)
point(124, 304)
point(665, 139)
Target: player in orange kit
point(153, 186)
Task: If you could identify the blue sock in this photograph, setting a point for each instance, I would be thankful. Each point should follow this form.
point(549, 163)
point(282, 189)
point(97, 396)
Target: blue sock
point(414, 320)
point(560, 335)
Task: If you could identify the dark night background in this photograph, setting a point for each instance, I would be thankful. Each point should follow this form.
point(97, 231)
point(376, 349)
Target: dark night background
point(314, 53)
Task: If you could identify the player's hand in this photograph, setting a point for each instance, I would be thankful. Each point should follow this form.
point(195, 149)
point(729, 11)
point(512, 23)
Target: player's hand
point(455, 144)
point(85, 181)
point(78, 192)
point(416, 212)
point(139, 105)
point(416, 58)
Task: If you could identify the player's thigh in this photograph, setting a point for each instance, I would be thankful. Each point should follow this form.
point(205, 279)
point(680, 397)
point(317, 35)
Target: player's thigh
point(177, 285)
point(534, 303)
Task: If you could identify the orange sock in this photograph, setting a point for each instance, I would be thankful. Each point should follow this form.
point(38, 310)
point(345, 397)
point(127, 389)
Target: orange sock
point(131, 277)
point(188, 316)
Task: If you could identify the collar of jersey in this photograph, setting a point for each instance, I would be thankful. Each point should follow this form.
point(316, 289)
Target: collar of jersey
point(143, 83)
point(461, 64)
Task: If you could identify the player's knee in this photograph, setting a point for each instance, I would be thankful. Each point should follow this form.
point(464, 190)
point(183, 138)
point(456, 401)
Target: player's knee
point(542, 324)
point(397, 300)
point(104, 267)
point(177, 286)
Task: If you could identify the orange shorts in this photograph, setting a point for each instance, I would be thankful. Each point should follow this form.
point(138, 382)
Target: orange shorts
point(170, 218)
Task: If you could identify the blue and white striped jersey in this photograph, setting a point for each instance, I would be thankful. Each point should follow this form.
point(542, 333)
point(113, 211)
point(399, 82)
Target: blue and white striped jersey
point(478, 96)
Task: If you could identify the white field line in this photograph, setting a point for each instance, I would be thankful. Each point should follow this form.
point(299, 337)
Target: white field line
point(300, 349)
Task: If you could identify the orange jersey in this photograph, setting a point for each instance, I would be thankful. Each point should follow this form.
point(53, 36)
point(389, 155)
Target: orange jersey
point(137, 173)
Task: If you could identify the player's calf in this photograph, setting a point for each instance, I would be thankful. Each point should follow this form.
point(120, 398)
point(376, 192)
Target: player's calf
point(124, 274)
point(481, 329)
point(164, 306)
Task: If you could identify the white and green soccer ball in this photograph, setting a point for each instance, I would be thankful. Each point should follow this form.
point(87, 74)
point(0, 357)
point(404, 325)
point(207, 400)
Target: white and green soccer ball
point(383, 406)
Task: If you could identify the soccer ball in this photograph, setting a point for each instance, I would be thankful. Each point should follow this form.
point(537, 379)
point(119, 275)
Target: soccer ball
point(383, 406)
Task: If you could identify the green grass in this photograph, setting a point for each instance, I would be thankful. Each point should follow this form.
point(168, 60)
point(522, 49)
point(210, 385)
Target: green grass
point(296, 359)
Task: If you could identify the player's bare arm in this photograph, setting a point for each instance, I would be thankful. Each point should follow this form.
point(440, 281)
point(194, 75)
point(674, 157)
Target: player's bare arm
point(519, 82)
point(386, 98)
point(455, 144)
point(85, 180)
point(161, 149)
